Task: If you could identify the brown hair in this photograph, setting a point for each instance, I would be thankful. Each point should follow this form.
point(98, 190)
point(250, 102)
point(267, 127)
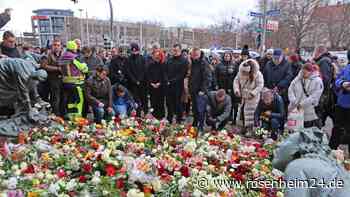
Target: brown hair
point(252, 71)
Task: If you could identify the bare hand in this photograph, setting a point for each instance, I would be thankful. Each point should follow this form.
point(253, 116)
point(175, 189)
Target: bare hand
point(109, 109)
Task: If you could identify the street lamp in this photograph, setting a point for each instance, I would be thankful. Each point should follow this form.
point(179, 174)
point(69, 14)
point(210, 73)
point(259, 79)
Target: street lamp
point(81, 26)
point(236, 29)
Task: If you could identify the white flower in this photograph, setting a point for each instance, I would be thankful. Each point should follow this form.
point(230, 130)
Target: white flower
point(12, 183)
point(182, 183)
point(156, 184)
point(197, 193)
point(190, 146)
point(95, 180)
point(106, 155)
point(71, 185)
point(23, 165)
point(2, 173)
point(195, 171)
point(40, 175)
point(135, 193)
point(17, 173)
point(14, 168)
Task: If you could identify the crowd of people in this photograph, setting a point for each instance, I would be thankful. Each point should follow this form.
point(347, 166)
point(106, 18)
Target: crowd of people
point(220, 89)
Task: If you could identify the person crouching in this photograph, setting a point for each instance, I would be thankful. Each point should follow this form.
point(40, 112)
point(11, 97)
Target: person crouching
point(219, 108)
point(270, 113)
point(99, 95)
point(123, 102)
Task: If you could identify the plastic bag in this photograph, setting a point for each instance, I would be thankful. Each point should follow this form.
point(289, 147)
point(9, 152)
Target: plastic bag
point(295, 120)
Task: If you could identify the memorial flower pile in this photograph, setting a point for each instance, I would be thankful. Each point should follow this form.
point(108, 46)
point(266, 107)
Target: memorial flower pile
point(132, 158)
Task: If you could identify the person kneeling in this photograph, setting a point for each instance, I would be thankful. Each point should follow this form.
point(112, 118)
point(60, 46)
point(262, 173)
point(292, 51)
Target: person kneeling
point(270, 113)
point(99, 95)
point(123, 103)
point(219, 108)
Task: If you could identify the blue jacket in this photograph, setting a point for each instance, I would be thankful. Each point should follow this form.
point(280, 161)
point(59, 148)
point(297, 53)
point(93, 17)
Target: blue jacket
point(278, 75)
point(277, 110)
point(125, 100)
point(343, 95)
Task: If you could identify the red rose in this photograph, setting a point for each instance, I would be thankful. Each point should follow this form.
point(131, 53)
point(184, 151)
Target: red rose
point(185, 171)
point(110, 170)
point(119, 183)
point(29, 170)
point(82, 179)
point(71, 193)
point(262, 153)
point(87, 168)
point(61, 173)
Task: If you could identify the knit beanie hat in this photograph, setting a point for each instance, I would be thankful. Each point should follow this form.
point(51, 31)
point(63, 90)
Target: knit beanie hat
point(71, 45)
point(245, 50)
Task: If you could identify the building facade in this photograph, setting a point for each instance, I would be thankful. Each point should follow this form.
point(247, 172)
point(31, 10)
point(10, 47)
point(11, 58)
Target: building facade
point(48, 24)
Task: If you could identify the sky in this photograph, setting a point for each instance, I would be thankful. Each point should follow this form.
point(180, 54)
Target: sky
point(194, 13)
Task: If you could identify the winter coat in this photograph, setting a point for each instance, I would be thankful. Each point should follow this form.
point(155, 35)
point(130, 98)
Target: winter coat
point(127, 99)
point(155, 73)
point(225, 74)
point(52, 68)
point(98, 90)
point(277, 109)
point(135, 69)
point(117, 70)
point(249, 91)
point(10, 52)
point(211, 78)
point(73, 71)
point(278, 76)
point(325, 65)
point(263, 62)
point(213, 110)
point(308, 99)
point(199, 76)
point(343, 95)
point(92, 62)
point(176, 70)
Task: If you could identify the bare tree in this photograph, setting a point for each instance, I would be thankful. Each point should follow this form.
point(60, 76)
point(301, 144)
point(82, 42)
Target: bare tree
point(338, 26)
point(297, 14)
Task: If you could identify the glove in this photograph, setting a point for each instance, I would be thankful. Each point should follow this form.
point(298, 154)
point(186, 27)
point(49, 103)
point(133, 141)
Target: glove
point(200, 93)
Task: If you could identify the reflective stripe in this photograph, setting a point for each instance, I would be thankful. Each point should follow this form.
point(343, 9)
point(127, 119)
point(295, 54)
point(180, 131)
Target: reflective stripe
point(78, 106)
point(81, 66)
point(73, 80)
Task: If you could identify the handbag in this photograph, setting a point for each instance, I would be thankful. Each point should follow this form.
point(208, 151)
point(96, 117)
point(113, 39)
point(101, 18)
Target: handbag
point(295, 120)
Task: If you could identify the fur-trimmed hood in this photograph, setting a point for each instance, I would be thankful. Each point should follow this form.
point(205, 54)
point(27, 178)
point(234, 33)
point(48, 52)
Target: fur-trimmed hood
point(255, 68)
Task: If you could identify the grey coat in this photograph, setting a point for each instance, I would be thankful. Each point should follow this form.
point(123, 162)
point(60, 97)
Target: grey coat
point(313, 87)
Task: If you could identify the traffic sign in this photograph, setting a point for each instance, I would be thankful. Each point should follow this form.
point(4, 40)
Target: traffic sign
point(272, 25)
point(273, 13)
point(256, 14)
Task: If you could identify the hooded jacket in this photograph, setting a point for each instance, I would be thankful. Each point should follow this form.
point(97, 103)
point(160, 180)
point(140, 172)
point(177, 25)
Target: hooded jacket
point(308, 99)
point(98, 90)
point(249, 91)
point(278, 75)
point(343, 95)
point(135, 69)
point(73, 71)
point(4, 19)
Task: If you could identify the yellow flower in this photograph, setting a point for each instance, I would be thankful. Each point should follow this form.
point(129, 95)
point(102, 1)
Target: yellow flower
point(33, 194)
point(280, 194)
point(46, 157)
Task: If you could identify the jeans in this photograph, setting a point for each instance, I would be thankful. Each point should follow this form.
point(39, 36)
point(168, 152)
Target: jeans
point(100, 113)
